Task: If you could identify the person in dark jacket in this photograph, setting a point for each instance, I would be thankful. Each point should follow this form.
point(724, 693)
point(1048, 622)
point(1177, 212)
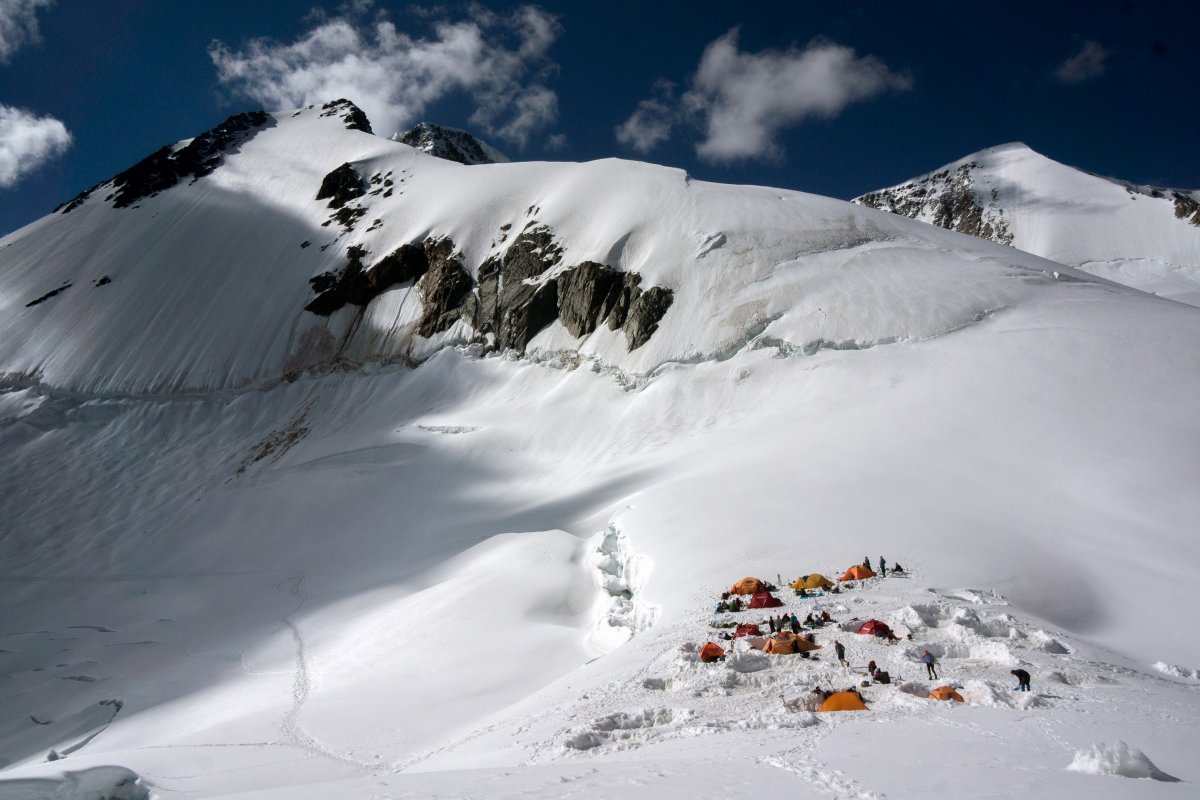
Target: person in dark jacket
point(1022, 680)
point(840, 649)
point(882, 567)
point(866, 562)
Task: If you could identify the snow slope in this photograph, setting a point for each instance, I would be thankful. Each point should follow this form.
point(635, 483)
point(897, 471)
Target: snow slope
point(421, 566)
point(1143, 236)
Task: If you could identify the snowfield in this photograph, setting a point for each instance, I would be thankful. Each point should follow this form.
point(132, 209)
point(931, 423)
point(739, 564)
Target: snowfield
point(236, 564)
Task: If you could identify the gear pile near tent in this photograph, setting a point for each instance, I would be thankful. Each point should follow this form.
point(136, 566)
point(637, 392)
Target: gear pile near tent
point(858, 572)
point(748, 586)
point(814, 581)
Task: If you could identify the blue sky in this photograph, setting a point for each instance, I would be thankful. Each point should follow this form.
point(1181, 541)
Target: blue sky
point(834, 98)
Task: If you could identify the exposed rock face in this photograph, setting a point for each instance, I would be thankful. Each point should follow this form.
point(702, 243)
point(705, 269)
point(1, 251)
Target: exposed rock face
point(350, 114)
point(442, 289)
point(507, 288)
point(450, 144)
point(341, 186)
point(948, 200)
point(587, 294)
point(358, 285)
point(1186, 208)
point(166, 167)
point(52, 293)
point(645, 314)
point(514, 300)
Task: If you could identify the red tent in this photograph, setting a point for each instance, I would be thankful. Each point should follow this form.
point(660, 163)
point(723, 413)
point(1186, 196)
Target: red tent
point(748, 629)
point(874, 627)
point(765, 600)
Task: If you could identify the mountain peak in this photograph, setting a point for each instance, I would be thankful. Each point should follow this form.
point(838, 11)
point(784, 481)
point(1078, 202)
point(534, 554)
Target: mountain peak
point(451, 144)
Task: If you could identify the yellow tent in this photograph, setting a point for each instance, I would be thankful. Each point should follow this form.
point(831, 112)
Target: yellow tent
point(844, 701)
point(814, 581)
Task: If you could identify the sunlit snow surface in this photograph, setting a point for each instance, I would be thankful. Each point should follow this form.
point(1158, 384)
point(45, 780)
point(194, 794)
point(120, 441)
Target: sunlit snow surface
point(380, 581)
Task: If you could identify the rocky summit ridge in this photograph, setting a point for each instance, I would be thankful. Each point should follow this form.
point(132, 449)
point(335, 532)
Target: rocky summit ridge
point(451, 144)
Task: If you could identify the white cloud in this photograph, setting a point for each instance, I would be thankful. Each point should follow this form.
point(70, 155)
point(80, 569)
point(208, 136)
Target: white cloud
point(26, 142)
point(18, 25)
point(499, 60)
point(741, 101)
point(1088, 63)
point(650, 125)
point(556, 142)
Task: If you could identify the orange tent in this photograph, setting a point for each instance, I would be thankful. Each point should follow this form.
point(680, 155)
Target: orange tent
point(945, 693)
point(711, 652)
point(858, 573)
point(844, 701)
point(780, 646)
point(747, 586)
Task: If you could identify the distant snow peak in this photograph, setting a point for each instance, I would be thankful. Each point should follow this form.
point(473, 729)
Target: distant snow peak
point(450, 144)
point(948, 198)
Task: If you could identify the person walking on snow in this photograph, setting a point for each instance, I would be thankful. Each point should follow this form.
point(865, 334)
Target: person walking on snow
point(930, 664)
point(882, 567)
point(1022, 680)
point(840, 649)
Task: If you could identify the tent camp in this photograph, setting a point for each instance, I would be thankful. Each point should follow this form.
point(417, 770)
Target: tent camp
point(874, 627)
point(858, 573)
point(765, 599)
point(945, 693)
point(711, 652)
point(747, 586)
point(749, 629)
point(844, 701)
point(814, 581)
point(780, 645)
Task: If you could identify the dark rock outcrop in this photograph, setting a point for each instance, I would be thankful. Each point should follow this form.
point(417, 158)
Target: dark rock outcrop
point(586, 295)
point(508, 285)
point(341, 186)
point(1186, 208)
point(442, 289)
point(450, 144)
point(358, 285)
point(52, 293)
point(645, 314)
point(166, 167)
point(350, 114)
point(514, 300)
point(948, 200)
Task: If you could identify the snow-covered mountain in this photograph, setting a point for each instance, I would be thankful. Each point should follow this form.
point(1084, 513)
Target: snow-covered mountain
point(333, 468)
point(450, 144)
point(1143, 236)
